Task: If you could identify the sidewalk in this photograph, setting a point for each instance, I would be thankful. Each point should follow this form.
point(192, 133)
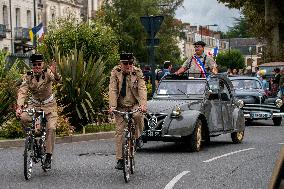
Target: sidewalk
point(66, 139)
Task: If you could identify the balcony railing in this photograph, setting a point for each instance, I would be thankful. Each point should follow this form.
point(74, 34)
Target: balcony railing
point(2, 31)
point(22, 33)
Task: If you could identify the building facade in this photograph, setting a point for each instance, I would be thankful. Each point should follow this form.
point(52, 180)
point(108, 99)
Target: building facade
point(18, 17)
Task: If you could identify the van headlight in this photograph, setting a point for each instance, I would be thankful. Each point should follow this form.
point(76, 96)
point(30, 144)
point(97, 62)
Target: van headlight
point(176, 112)
point(278, 103)
point(240, 103)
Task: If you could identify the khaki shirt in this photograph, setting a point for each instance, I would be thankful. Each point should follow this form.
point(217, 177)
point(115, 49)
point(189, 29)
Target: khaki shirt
point(40, 90)
point(136, 91)
point(191, 65)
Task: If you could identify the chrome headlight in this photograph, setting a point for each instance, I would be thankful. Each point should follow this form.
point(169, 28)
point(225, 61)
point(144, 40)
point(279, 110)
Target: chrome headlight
point(278, 103)
point(176, 112)
point(240, 103)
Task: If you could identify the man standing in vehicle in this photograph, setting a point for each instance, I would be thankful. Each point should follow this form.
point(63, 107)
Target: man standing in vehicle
point(200, 65)
point(127, 91)
point(38, 83)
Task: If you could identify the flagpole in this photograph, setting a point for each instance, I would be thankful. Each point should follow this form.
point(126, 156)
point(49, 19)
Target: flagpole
point(34, 36)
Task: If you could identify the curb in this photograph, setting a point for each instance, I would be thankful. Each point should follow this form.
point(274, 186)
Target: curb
point(59, 140)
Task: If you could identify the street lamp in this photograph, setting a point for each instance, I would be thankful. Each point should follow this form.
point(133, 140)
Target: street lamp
point(208, 28)
point(250, 51)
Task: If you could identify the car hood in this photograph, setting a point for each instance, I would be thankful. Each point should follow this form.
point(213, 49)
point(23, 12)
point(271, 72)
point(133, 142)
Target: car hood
point(249, 92)
point(166, 106)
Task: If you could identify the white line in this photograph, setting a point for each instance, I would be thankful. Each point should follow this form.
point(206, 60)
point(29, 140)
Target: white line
point(280, 143)
point(212, 159)
point(1, 148)
point(261, 126)
point(171, 184)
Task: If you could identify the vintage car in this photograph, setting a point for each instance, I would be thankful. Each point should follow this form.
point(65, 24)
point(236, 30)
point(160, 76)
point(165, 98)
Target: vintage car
point(257, 104)
point(193, 110)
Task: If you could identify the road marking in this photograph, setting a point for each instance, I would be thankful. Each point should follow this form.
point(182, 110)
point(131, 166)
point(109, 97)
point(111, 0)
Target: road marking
point(224, 155)
point(261, 126)
point(171, 184)
point(1, 148)
point(281, 143)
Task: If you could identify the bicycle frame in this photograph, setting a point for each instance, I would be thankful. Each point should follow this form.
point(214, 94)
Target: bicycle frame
point(34, 148)
point(128, 147)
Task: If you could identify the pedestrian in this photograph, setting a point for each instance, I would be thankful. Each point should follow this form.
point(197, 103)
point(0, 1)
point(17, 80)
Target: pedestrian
point(229, 72)
point(235, 71)
point(38, 83)
point(147, 74)
point(127, 92)
point(199, 65)
point(167, 67)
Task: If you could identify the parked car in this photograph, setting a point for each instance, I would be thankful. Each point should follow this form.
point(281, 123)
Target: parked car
point(193, 110)
point(257, 105)
point(268, 68)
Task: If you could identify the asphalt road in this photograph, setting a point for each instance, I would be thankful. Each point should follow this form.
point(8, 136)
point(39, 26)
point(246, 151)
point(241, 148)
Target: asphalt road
point(159, 165)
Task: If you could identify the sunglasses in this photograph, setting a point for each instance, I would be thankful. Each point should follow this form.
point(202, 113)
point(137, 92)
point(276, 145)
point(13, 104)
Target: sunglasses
point(36, 64)
point(198, 46)
point(127, 63)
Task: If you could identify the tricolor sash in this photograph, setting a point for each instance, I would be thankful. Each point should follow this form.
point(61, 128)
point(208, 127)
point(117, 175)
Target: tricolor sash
point(200, 65)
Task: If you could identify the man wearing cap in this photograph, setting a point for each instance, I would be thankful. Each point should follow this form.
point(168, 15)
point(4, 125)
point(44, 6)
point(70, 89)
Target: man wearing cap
point(38, 83)
point(127, 91)
point(199, 64)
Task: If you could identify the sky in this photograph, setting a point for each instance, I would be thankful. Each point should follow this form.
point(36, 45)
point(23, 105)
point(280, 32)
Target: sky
point(205, 12)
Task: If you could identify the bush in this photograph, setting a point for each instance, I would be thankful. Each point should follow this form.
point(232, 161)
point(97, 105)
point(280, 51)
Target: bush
point(12, 129)
point(92, 128)
point(64, 128)
point(231, 59)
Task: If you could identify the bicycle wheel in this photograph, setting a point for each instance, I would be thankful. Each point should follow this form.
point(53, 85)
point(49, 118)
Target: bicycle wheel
point(132, 151)
point(126, 157)
point(42, 153)
point(28, 159)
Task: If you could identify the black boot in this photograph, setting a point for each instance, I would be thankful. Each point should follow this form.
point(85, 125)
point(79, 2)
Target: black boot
point(119, 164)
point(47, 162)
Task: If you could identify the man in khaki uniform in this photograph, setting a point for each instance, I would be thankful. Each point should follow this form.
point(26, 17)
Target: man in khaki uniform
point(199, 62)
point(38, 83)
point(127, 91)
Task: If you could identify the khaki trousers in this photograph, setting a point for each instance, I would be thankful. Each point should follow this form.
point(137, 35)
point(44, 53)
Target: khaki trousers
point(121, 124)
point(51, 117)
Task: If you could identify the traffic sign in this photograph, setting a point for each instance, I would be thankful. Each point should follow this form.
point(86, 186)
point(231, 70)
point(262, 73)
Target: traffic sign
point(153, 42)
point(152, 24)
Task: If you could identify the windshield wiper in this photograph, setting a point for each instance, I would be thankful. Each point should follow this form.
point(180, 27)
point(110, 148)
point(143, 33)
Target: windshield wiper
point(183, 92)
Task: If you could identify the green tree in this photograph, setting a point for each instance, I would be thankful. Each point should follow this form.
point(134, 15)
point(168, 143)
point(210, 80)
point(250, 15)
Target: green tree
point(124, 18)
point(265, 19)
point(9, 79)
point(239, 30)
point(230, 59)
point(95, 40)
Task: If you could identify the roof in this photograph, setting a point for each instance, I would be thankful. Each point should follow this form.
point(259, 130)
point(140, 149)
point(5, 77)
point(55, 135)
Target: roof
point(276, 64)
point(237, 42)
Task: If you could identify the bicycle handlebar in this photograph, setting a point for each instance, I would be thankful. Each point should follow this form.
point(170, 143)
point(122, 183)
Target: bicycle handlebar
point(32, 111)
point(127, 112)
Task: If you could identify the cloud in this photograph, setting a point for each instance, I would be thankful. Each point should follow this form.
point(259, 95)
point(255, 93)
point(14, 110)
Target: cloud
point(204, 12)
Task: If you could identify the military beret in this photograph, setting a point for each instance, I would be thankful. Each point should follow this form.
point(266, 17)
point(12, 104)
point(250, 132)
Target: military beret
point(126, 57)
point(36, 58)
point(200, 43)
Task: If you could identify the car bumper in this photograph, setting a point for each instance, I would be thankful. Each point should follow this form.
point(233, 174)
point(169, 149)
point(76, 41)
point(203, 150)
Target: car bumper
point(156, 135)
point(250, 116)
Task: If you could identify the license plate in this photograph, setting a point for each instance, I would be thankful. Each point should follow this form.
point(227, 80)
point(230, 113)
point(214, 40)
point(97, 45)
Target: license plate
point(260, 115)
point(152, 133)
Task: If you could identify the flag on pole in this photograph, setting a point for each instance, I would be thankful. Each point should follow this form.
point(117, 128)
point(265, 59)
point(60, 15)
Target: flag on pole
point(38, 30)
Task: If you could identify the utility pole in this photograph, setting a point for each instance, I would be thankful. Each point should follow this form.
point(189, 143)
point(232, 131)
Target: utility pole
point(152, 25)
point(34, 36)
point(11, 25)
